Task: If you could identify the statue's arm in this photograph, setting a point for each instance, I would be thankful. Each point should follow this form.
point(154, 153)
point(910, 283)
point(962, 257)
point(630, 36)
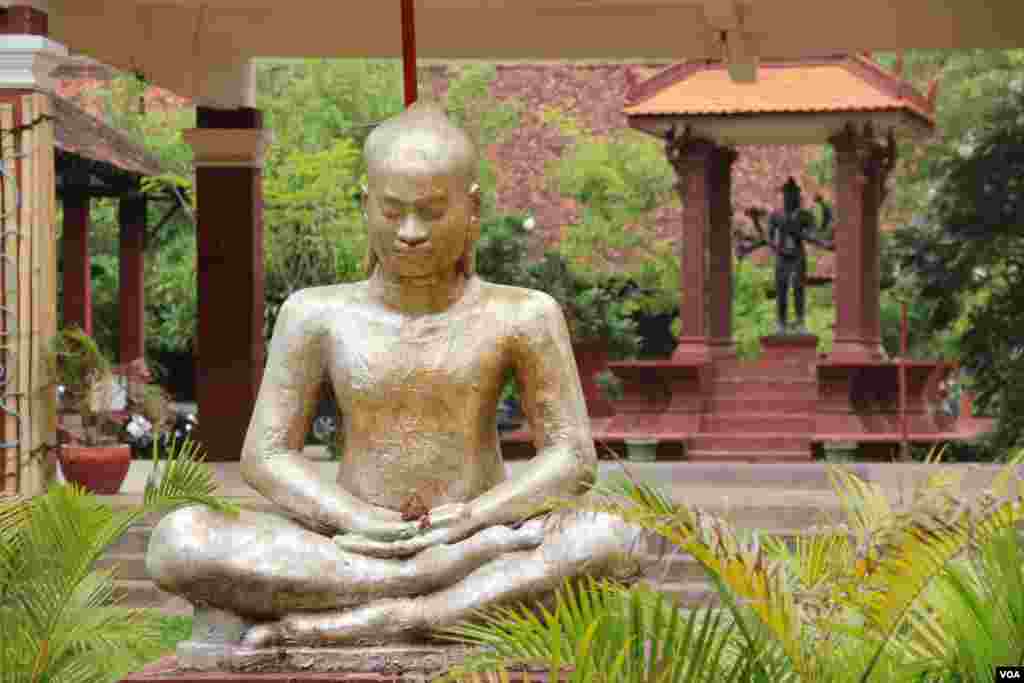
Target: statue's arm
point(272, 461)
point(566, 463)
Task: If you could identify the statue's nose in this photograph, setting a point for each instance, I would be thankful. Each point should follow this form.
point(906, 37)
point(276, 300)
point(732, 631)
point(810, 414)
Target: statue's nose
point(412, 232)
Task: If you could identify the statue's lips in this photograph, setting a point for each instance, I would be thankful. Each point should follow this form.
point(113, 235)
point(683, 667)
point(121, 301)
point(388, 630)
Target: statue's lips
point(419, 250)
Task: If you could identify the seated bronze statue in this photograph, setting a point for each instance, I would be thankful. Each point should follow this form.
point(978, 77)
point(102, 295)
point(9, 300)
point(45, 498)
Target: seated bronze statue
point(422, 527)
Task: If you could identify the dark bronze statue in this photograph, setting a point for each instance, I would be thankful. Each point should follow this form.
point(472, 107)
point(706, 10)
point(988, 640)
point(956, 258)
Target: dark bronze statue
point(788, 230)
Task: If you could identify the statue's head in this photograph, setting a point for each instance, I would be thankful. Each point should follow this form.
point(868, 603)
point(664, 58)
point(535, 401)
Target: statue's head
point(791, 195)
point(421, 203)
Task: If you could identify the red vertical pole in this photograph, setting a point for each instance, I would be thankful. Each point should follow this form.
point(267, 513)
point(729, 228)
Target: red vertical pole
point(409, 51)
point(903, 379)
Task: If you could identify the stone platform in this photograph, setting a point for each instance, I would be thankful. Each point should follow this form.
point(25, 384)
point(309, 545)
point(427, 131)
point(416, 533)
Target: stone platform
point(778, 408)
point(393, 664)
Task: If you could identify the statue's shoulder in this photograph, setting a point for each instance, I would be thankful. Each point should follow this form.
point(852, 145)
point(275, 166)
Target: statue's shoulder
point(520, 305)
point(315, 306)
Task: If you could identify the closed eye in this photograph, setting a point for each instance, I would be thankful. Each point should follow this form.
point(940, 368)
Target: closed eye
point(432, 212)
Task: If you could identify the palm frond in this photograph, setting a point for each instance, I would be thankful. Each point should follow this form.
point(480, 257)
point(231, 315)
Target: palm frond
point(602, 631)
point(58, 617)
point(915, 553)
point(183, 479)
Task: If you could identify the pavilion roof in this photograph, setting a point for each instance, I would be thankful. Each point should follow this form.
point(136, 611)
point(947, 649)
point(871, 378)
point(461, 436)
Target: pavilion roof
point(78, 133)
point(834, 84)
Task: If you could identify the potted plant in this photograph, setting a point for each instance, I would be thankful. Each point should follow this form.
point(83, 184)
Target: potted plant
point(90, 454)
point(149, 417)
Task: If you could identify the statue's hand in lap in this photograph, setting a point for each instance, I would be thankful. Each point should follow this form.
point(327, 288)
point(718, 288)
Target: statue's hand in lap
point(383, 527)
point(444, 524)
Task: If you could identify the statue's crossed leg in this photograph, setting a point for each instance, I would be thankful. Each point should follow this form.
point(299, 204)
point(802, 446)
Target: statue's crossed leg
point(265, 567)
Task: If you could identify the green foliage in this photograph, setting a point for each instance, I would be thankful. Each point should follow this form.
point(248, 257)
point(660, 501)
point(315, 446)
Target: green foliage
point(599, 631)
point(927, 592)
point(486, 120)
point(617, 181)
point(311, 103)
point(965, 252)
point(594, 308)
point(58, 615)
point(74, 361)
point(501, 253)
point(315, 233)
point(172, 298)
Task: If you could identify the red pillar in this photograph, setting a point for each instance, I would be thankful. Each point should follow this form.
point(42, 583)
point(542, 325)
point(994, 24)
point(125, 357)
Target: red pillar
point(77, 281)
point(692, 161)
point(859, 180)
point(720, 255)
point(228, 147)
point(132, 262)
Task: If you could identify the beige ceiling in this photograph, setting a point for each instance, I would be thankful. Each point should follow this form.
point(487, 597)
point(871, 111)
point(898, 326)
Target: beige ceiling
point(171, 40)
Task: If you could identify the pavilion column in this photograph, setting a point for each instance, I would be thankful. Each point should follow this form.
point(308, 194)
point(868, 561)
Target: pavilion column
point(132, 262)
point(77, 280)
point(703, 171)
point(861, 169)
point(228, 146)
point(29, 292)
point(720, 256)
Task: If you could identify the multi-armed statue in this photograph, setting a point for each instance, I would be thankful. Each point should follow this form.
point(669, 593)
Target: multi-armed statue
point(787, 231)
point(422, 527)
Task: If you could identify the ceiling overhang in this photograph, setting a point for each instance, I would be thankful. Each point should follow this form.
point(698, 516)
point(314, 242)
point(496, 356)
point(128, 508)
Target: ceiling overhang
point(790, 128)
point(173, 42)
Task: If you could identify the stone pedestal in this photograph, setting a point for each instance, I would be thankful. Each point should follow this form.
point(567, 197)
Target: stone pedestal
point(789, 347)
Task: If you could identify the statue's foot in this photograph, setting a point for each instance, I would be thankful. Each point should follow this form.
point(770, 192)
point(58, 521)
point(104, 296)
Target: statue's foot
point(263, 636)
point(379, 622)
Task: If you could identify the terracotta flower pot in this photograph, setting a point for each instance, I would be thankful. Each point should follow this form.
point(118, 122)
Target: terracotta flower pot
point(592, 359)
point(100, 469)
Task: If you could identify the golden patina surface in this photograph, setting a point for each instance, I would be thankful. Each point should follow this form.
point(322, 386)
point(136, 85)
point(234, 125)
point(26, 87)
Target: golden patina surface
point(417, 355)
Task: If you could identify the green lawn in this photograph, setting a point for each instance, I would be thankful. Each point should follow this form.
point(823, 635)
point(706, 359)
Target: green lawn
point(172, 630)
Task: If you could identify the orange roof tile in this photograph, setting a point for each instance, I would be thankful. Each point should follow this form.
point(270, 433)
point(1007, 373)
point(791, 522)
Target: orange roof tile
point(834, 84)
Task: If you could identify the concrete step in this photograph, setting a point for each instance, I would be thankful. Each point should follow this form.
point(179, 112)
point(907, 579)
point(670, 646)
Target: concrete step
point(128, 566)
point(766, 392)
point(141, 594)
point(690, 594)
point(749, 457)
point(793, 373)
point(767, 421)
point(776, 403)
point(749, 439)
point(755, 378)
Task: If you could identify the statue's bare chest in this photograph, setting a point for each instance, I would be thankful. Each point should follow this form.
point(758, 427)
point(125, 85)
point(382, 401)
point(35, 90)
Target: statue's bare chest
point(379, 362)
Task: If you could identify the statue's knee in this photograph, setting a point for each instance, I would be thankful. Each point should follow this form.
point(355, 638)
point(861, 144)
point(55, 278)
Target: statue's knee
point(176, 544)
point(598, 538)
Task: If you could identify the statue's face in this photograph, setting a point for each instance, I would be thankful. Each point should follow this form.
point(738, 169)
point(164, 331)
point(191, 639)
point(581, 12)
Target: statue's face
point(420, 218)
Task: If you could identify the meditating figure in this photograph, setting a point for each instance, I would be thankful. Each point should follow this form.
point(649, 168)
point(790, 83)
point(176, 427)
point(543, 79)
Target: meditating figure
point(422, 527)
point(787, 231)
